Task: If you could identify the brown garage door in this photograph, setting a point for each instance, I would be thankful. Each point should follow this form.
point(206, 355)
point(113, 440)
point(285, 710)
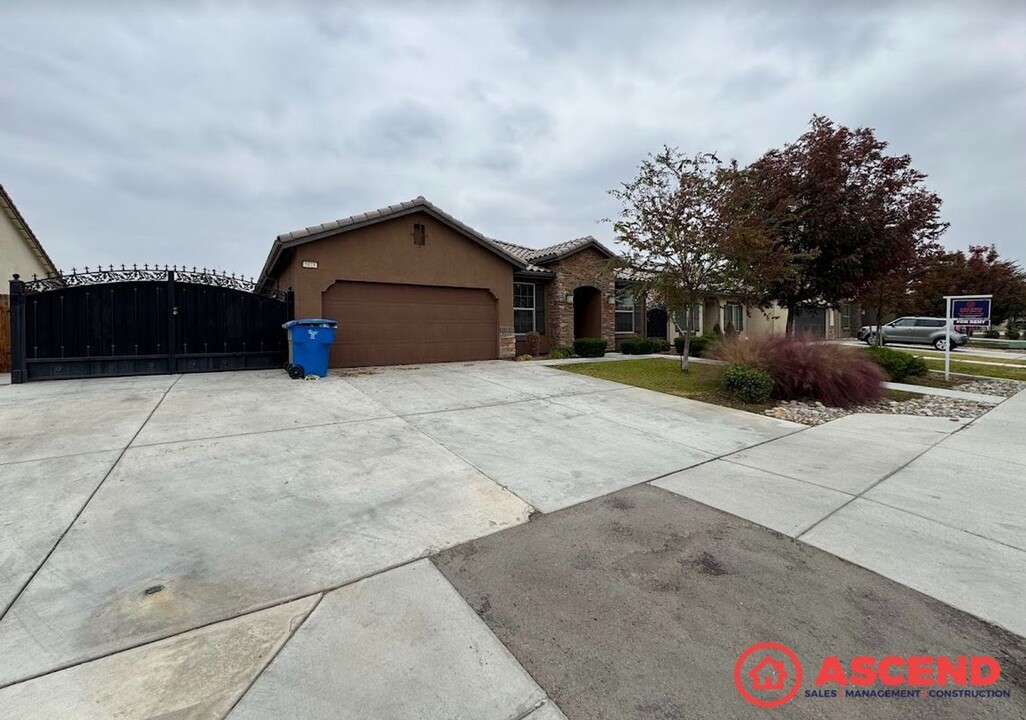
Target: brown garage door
point(386, 324)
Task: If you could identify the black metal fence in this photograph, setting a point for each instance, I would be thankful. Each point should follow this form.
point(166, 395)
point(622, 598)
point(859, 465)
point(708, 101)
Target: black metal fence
point(144, 321)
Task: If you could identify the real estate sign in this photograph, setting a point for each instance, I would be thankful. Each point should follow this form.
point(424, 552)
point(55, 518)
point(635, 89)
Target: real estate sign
point(971, 311)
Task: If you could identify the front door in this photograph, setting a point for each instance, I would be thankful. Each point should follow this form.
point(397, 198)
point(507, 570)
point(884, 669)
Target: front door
point(655, 324)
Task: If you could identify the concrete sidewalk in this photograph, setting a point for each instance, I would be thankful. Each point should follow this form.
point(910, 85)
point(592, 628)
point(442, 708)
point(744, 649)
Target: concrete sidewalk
point(932, 504)
point(201, 545)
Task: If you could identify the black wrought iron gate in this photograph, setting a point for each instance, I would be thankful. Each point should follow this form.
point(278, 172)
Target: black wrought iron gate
point(144, 321)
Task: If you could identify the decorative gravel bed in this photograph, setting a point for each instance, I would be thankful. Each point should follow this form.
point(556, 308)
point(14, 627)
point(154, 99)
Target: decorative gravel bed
point(928, 405)
point(991, 386)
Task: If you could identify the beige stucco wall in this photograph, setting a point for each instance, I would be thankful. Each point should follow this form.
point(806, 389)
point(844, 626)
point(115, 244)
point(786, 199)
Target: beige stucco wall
point(15, 255)
point(757, 321)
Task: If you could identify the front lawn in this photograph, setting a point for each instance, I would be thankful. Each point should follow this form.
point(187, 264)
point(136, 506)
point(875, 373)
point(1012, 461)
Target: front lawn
point(702, 382)
point(992, 371)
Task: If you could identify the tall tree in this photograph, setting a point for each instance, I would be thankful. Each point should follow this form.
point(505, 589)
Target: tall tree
point(840, 214)
point(674, 227)
point(980, 271)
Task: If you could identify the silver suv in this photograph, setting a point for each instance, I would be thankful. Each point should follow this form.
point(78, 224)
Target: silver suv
point(916, 330)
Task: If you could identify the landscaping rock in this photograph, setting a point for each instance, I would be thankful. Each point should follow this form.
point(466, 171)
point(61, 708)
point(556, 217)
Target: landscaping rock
point(992, 386)
point(927, 405)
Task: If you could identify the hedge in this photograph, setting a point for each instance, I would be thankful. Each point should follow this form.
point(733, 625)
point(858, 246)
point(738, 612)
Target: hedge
point(898, 365)
point(749, 385)
point(590, 347)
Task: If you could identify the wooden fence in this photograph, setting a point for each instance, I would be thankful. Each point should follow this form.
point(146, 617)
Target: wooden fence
point(5, 333)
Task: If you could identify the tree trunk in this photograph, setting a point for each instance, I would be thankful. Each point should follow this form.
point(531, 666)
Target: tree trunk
point(685, 355)
point(879, 339)
point(792, 310)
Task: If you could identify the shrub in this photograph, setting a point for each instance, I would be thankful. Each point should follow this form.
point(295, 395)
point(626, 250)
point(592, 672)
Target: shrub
point(991, 333)
point(533, 342)
point(525, 356)
point(749, 385)
point(716, 330)
point(1012, 334)
point(590, 347)
point(636, 346)
point(898, 365)
point(801, 370)
point(659, 345)
point(561, 352)
point(700, 345)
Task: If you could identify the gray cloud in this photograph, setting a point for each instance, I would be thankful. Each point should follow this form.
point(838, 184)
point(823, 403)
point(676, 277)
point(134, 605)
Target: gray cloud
point(195, 132)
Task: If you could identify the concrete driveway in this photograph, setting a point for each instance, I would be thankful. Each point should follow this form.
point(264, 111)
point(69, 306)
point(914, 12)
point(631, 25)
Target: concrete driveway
point(241, 543)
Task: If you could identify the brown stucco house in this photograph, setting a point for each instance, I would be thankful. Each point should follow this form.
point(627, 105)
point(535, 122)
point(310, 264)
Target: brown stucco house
point(412, 284)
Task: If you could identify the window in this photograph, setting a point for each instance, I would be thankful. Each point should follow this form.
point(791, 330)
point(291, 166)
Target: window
point(904, 322)
point(523, 307)
point(928, 322)
point(680, 320)
point(419, 234)
point(624, 311)
point(733, 317)
point(845, 316)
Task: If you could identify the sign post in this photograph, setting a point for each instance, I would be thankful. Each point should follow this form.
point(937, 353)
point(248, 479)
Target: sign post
point(968, 310)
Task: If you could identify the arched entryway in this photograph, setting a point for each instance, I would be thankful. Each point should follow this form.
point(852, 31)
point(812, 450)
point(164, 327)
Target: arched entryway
point(587, 312)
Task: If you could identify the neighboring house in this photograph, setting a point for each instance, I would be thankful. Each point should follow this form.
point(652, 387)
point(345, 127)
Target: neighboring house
point(726, 312)
point(410, 284)
point(22, 254)
point(20, 250)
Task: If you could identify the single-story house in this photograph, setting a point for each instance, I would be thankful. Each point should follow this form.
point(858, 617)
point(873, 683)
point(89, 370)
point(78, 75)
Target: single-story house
point(412, 284)
point(727, 312)
point(20, 249)
point(21, 253)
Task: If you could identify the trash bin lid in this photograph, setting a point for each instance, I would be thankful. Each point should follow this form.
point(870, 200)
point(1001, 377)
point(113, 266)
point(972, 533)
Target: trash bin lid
point(311, 322)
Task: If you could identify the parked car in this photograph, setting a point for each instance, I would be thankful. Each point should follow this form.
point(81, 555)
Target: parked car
point(915, 330)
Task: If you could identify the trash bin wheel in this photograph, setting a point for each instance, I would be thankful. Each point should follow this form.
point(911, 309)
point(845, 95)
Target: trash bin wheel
point(296, 372)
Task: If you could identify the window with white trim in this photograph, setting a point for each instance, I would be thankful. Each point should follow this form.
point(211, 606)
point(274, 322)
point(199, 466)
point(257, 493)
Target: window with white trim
point(624, 311)
point(523, 307)
point(733, 317)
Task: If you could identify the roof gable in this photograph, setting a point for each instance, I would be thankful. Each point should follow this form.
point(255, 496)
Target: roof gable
point(543, 256)
point(418, 205)
point(11, 210)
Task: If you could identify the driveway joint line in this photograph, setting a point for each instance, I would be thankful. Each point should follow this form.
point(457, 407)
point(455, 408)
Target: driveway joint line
point(455, 454)
point(549, 398)
point(788, 477)
point(947, 525)
point(60, 457)
point(428, 553)
point(393, 416)
point(275, 654)
point(861, 494)
point(89, 499)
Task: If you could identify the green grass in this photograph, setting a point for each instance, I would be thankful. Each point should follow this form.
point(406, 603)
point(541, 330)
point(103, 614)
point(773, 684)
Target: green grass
point(933, 381)
point(702, 382)
point(965, 356)
point(993, 371)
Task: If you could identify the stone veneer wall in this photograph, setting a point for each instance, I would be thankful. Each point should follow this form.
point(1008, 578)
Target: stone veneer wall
point(587, 267)
point(507, 342)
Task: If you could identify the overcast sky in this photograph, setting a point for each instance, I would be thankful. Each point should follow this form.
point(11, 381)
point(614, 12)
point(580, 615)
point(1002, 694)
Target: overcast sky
point(196, 132)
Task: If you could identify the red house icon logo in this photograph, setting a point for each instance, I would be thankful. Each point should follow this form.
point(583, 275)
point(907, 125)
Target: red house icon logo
point(769, 674)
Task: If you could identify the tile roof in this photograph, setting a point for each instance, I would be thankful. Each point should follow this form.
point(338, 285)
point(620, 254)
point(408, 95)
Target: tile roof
point(540, 256)
point(528, 260)
point(418, 204)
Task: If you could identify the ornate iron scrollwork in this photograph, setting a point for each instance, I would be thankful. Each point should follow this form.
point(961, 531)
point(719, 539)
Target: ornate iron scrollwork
point(110, 274)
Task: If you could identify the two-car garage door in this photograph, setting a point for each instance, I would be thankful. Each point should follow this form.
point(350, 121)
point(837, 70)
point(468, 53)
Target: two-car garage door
point(392, 324)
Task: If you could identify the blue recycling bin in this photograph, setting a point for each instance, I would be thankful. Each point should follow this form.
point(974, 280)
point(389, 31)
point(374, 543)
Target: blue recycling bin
point(310, 340)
